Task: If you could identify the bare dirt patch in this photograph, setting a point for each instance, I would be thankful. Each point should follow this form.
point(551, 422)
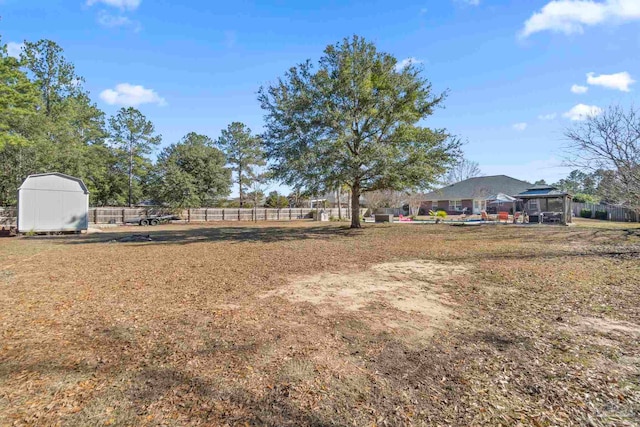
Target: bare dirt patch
point(398, 296)
point(606, 326)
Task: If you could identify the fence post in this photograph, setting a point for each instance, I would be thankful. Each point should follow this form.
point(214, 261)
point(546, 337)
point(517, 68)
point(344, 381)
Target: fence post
point(223, 214)
point(238, 214)
point(278, 214)
point(95, 215)
point(188, 214)
point(123, 216)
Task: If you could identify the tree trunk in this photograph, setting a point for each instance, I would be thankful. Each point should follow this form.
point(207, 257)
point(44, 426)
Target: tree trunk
point(130, 172)
point(240, 185)
point(339, 204)
point(355, 206)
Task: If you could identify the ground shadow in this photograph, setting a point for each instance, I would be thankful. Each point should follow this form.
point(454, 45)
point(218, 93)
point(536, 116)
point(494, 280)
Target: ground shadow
point(229, 234)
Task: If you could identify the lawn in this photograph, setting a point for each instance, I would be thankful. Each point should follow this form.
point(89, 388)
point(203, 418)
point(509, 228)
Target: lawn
point(305, 324)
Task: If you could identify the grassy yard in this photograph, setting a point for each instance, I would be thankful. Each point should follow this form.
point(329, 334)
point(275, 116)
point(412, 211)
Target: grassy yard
point(304, 324)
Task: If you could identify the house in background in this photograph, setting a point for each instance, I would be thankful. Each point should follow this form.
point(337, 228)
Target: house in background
point(474, 195)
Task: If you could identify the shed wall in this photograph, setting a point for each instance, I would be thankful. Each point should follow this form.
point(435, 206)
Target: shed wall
point(49, 204)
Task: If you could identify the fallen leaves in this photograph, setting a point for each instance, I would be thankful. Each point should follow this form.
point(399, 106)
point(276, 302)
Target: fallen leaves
point(172, 330)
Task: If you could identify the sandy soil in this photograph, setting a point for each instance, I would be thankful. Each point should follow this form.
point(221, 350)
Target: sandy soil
point(402, 297)
point(284, 324)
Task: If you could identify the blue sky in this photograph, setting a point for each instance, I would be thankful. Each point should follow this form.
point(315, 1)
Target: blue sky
point(509, 65)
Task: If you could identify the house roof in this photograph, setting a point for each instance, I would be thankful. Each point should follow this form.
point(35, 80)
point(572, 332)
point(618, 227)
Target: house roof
point(479, 188)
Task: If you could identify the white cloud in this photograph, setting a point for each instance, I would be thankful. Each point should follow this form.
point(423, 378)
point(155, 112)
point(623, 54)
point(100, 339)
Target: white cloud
point(519, 126)
point(115, 21)
point(14, 49)
point(406, 62)
point(472, 2)
point(120, 4)
point(571, 16)
point(131, 95)
point(579, 89)
point(619, 81)
point(549, 116)
point(582, 112)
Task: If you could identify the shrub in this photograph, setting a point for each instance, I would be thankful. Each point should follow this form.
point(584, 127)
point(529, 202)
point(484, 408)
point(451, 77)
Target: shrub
point(440, 216)
point(602, 215)
point(585, 213)
point(584, 198)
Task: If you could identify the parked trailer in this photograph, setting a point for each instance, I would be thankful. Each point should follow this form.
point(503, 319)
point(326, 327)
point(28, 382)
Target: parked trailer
point(152, 220)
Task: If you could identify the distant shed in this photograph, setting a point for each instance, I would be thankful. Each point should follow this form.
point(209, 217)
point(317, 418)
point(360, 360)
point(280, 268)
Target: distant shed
point(52, 202)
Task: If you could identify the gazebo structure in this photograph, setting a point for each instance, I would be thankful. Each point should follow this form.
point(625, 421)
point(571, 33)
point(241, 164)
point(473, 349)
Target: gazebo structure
point(546, 204)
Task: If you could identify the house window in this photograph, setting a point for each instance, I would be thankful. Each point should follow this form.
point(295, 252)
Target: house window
point(533, 204)
point(455, 205)
point(434, 205)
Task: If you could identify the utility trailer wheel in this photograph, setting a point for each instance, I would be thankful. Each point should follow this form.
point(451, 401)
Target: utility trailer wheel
point(144, 222)
point(153, 222)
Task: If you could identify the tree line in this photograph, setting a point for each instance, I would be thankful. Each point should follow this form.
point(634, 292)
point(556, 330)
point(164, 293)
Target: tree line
point(48, 123)
point(353, 123)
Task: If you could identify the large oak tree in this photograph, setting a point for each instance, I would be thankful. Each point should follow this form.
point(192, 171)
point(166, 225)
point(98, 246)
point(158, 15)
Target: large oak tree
point(354, 120)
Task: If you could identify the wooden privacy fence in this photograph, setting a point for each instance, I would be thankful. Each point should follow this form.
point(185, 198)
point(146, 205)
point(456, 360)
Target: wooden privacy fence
point(614, 213)
point(8, 217)
point(119, 215)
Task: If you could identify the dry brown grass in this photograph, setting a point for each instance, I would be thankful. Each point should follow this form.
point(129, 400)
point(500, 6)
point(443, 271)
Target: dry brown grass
point(209, 325)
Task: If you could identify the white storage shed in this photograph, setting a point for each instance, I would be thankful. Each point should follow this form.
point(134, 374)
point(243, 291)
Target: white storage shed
point(52, 202)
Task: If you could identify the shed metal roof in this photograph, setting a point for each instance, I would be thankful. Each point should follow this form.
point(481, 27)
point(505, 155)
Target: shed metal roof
point(28, 182)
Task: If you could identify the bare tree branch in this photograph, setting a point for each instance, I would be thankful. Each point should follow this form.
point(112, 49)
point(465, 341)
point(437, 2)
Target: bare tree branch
point(462, 170)
point(610, 143)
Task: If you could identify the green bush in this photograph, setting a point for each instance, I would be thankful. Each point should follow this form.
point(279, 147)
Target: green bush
point(585, 213)
point(584, 198)
point(602, 215)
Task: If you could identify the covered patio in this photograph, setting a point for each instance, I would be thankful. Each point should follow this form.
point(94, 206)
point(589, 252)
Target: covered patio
point(546, 204)
point(500, 202)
